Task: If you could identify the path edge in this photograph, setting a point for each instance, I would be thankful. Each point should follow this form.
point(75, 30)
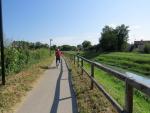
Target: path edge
point(73, 89)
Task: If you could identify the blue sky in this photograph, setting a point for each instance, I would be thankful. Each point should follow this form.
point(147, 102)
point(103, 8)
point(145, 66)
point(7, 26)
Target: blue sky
point(73, 21)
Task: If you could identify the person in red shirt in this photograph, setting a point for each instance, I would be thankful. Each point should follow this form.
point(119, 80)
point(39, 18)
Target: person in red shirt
point(58, 55)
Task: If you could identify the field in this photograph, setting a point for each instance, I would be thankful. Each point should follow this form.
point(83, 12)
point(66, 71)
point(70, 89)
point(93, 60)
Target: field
point(116, 87)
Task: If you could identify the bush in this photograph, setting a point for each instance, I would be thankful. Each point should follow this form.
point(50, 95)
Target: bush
point(17, 59)
point(12, 60)
point(147, 48)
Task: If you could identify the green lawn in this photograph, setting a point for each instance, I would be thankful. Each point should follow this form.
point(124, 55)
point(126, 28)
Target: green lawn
point(134, 62)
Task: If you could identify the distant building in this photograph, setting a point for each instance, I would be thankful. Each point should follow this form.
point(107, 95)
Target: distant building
point(140, 44)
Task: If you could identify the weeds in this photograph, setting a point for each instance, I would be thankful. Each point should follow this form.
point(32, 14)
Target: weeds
point(19, 84)
point(89, 101)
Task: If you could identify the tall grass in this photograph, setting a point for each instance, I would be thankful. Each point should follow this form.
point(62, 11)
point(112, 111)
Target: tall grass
point(19, 84)
point(18, 59)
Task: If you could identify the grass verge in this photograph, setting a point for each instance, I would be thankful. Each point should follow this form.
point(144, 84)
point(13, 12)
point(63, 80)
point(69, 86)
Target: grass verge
point(116, 88)
point(88, 101)
point(18, 85)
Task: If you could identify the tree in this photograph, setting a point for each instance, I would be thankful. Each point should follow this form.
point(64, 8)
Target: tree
point(67, 48)
point(147, 48)
point(108, 39)
point(86, 45)
point(79, 47)
point(38, 45)
point(54, 47)
point(122, 36)
point(114, 39)
point(31, 45)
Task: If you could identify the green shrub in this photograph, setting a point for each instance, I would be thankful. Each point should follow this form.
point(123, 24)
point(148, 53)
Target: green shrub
point(147, 48)
point(17, 59)
point(11, 60)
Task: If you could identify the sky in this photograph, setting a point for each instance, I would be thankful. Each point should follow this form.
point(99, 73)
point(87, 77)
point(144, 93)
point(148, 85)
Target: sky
point(73, 21)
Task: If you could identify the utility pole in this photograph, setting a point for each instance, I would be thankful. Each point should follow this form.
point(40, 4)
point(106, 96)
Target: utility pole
point(50, 46)
point(2, 45)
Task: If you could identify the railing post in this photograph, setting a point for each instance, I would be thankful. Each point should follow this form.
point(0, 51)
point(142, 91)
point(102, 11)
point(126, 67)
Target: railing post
point(128, 98)
point(78, 61)
point(82, 66)
point(74, 59)
point(92, 75)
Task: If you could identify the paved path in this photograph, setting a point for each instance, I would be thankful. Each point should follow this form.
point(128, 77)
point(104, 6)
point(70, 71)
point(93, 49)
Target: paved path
point(53, 94)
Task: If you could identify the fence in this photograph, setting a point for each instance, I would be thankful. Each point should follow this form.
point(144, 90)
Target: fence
point(129, 83)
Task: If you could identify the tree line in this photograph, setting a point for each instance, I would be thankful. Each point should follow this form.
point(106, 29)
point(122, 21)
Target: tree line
point(29, 45)
point(112, 39)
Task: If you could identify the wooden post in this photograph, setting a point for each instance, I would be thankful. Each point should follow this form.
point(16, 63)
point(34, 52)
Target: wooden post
point(82, 66)
point(78, 61)
point(50, 46)
point(2, 45)
point(128, 98)
point(92, 75)
point(74, 59)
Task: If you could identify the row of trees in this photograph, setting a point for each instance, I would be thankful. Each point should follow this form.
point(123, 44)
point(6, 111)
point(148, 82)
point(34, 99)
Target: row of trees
point(29, 45)
point(38, 45)
point(112, 39)
point(67, 48)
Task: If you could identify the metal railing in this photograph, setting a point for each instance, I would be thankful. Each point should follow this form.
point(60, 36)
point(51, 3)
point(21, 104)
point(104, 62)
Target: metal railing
point(130, 83)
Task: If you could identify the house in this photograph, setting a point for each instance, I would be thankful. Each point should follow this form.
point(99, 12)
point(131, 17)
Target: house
point(140, 44)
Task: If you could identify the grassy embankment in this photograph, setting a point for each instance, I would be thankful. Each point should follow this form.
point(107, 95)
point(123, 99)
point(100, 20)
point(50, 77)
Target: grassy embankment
point(135, 62)
point(114, 86)
point(131, 61)
point(17, 85)
point(88, 101)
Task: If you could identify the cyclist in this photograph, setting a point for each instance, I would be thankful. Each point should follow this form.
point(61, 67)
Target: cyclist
point(58, 55)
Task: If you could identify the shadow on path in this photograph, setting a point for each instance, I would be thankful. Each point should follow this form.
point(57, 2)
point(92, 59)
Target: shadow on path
point(74, 101)
point(57, 93)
